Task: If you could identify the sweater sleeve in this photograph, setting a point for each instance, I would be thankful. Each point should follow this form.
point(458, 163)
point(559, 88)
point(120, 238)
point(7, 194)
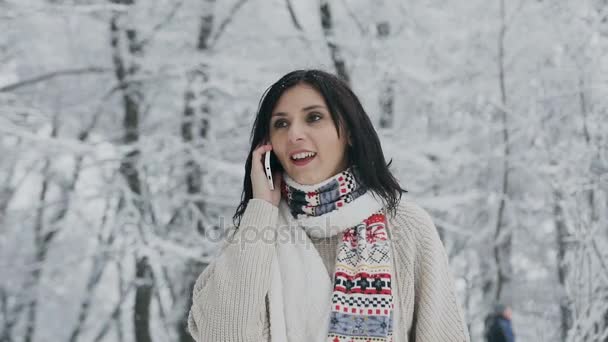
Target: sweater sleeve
point(229, 297)
point(437, 313)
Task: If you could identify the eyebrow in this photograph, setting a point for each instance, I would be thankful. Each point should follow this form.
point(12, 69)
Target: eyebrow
point(305, 109)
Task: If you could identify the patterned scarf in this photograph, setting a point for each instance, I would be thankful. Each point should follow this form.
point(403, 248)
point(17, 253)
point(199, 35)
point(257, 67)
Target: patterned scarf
point(362, 302)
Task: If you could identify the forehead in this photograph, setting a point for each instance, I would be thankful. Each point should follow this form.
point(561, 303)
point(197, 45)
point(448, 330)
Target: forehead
point(298, 98)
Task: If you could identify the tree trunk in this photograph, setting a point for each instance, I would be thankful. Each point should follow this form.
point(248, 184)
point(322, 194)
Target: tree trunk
point(132, 96)
point(7, 190)
point(503, 233)
point(334, 49)
point(143, 296)
point(562, 267)
point(387, 100)
point(40, 250)
point(42, 241)
point(194, 129)
point(387, 89)
point(592, 199)
point(206, 26)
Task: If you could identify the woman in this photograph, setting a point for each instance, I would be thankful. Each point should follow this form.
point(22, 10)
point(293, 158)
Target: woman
point(332, 253)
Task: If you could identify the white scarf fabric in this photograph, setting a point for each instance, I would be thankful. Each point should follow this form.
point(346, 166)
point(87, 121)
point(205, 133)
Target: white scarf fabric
point(300, 290)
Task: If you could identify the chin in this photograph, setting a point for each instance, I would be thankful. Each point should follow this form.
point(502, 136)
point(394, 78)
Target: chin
point(306, 179)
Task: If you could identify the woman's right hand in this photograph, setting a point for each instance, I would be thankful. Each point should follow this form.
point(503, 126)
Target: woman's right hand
point(259, 183)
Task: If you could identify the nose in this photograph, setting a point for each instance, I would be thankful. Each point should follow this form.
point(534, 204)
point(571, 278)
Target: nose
point(296, 133)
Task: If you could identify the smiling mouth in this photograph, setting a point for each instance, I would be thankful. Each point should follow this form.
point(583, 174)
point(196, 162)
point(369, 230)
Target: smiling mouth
point(302, 159)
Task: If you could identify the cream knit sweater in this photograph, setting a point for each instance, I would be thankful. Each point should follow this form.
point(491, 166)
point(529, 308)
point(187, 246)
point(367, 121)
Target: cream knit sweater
point(230, 296)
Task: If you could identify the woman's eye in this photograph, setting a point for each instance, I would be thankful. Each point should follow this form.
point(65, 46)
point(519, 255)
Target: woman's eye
point(314, 117)
point(280, 123)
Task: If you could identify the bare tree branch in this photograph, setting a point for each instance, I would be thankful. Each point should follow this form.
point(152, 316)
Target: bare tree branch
point(105, 328)
point(55, 74)
point(292, 13)
point(100, 261)
point(352, 14)
point(161, 24)
point(227, 21)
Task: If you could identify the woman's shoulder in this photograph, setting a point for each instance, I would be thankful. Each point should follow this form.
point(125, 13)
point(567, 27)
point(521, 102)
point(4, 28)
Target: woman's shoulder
point(411, 214)
point(410, 220)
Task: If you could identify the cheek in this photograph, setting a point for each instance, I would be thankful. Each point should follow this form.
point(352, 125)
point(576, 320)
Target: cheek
point(330, 143)
point(278, 145)
point(340, 150)
point(275, 139)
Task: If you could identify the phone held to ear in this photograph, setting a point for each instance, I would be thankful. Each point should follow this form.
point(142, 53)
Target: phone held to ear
point(268, 170)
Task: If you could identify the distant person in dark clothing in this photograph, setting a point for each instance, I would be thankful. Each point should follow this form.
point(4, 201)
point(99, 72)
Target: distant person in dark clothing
point(498, 325)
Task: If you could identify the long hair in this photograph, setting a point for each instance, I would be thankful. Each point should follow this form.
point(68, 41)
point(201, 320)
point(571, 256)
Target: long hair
point(364, 152)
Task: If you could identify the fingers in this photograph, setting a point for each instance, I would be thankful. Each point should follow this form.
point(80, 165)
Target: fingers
point(260, 187)
point(260, 150)
point(257, 157)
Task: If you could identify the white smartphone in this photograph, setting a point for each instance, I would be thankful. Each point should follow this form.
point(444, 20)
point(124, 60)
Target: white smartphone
point(268, 170)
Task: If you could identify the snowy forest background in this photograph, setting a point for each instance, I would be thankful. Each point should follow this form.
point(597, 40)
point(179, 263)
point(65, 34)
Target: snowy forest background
point(124, 128)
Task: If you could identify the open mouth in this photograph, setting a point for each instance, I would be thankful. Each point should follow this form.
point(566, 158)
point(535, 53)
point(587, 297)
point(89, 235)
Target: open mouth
point(302, 158)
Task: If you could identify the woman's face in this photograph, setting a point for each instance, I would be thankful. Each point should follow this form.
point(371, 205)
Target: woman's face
point(304, 138)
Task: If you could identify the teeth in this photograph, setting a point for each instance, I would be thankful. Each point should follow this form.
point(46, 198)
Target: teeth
point(303, 155)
